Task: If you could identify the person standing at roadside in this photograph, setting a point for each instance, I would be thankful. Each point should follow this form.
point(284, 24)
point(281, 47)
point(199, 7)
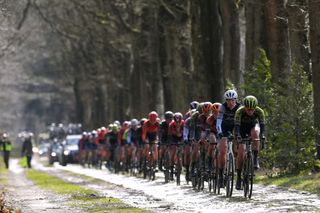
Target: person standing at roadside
point(27, 148)
point(6, 147)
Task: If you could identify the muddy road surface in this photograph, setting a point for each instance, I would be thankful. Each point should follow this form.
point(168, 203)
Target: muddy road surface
point(159, 197)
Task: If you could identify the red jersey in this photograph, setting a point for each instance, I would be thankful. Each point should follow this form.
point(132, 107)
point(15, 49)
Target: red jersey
point(150, 131)
point(176, 129)
point(211, 122)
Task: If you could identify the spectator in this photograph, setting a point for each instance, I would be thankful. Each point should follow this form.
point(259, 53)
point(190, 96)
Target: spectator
point(6, 147)
point(27, 148)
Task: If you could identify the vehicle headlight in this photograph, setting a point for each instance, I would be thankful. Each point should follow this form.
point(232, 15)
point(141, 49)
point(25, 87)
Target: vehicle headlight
point(53, 154)
point(66, 152)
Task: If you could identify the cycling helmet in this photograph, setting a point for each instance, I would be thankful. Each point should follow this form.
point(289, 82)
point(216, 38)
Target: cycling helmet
point(206, 107)
point(215, 108)
point(250, 102)
point(125, 124)
point(168, 115)
point(142, 121)
point(134, 122)
point(194, 104)
point(153, 116)
point(230, 94)
point(117, 123)
point(177, 117)
point(114, 127)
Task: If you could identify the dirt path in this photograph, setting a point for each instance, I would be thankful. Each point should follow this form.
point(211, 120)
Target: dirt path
point(151, 195)
point(160, 197)
point(22, 194)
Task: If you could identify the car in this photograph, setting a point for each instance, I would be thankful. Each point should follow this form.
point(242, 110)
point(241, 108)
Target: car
point(43, 149)
point(70, 150)
point(53, 151)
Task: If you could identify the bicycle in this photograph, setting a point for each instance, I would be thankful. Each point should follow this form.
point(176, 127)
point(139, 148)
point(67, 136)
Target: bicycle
point(229, 167)
point(213, 177)
point(178, 163)
point(202, 174)
point(149, 162)
point(166, 163)
point(247, 171)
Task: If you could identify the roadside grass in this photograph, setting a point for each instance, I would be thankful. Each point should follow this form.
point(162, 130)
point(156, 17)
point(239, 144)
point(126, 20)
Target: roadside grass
point(306, 182)
point(87, 199)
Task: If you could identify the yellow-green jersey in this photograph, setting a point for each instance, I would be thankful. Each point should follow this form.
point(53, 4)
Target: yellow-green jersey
point(244, 122)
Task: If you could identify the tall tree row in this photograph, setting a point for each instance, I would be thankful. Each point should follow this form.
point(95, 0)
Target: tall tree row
point(314, 13)
point(126, 58)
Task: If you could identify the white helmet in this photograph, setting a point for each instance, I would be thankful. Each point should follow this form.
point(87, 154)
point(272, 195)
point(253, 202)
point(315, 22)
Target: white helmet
point(230, 94)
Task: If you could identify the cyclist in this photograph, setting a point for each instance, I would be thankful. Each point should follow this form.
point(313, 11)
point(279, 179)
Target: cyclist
point(193, 105)
point(201, 133)
point(132, 141)
point(211, 122)
point(225, 122)
point(112, 137)
point(122, 142)
point(150, 134)
point(164, 126)
point(82, 147)
point(175, 134)
point(187, 138)
point(247, 119)
point(102, 152)
point(140, 144)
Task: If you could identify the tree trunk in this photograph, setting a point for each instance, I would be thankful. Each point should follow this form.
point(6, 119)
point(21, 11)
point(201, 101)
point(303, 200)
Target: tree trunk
point(175, 53)
point(277, 37)
point(314, 14)
point(231, 42)
point(298, 33)
point(255, 31)
point(212, 40)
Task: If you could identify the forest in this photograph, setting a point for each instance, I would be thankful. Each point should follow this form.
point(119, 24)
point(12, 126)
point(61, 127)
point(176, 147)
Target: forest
point(120, 59)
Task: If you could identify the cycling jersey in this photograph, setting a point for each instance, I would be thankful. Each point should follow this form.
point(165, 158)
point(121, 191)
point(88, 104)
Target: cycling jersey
point(244, 123)
point(225, 119)
point(133, 136)
point(150, 131)
point(187, 130)
point(112, 137)
point(211, 122)
point(176, 131)
point(164, 126)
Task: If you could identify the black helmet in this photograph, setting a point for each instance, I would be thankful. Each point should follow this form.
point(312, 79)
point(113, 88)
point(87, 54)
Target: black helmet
point(168, 115)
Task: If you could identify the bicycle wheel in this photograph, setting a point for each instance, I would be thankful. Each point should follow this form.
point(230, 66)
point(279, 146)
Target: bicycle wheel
point(145, 169)
point(248, 177)
point(166, 167)
point(178, 176)
point(200, 181)
point(210, 182)
point(229, 175)
point(215, 179)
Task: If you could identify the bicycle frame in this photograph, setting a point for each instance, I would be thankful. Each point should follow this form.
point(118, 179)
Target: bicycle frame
point(247, 171)
point(229, 167)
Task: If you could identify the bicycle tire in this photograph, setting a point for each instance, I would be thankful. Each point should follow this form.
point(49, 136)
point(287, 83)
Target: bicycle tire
point(248, 176)
point(210, 183)
point(166, 167)
point(229, 175)
point(144, 169)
